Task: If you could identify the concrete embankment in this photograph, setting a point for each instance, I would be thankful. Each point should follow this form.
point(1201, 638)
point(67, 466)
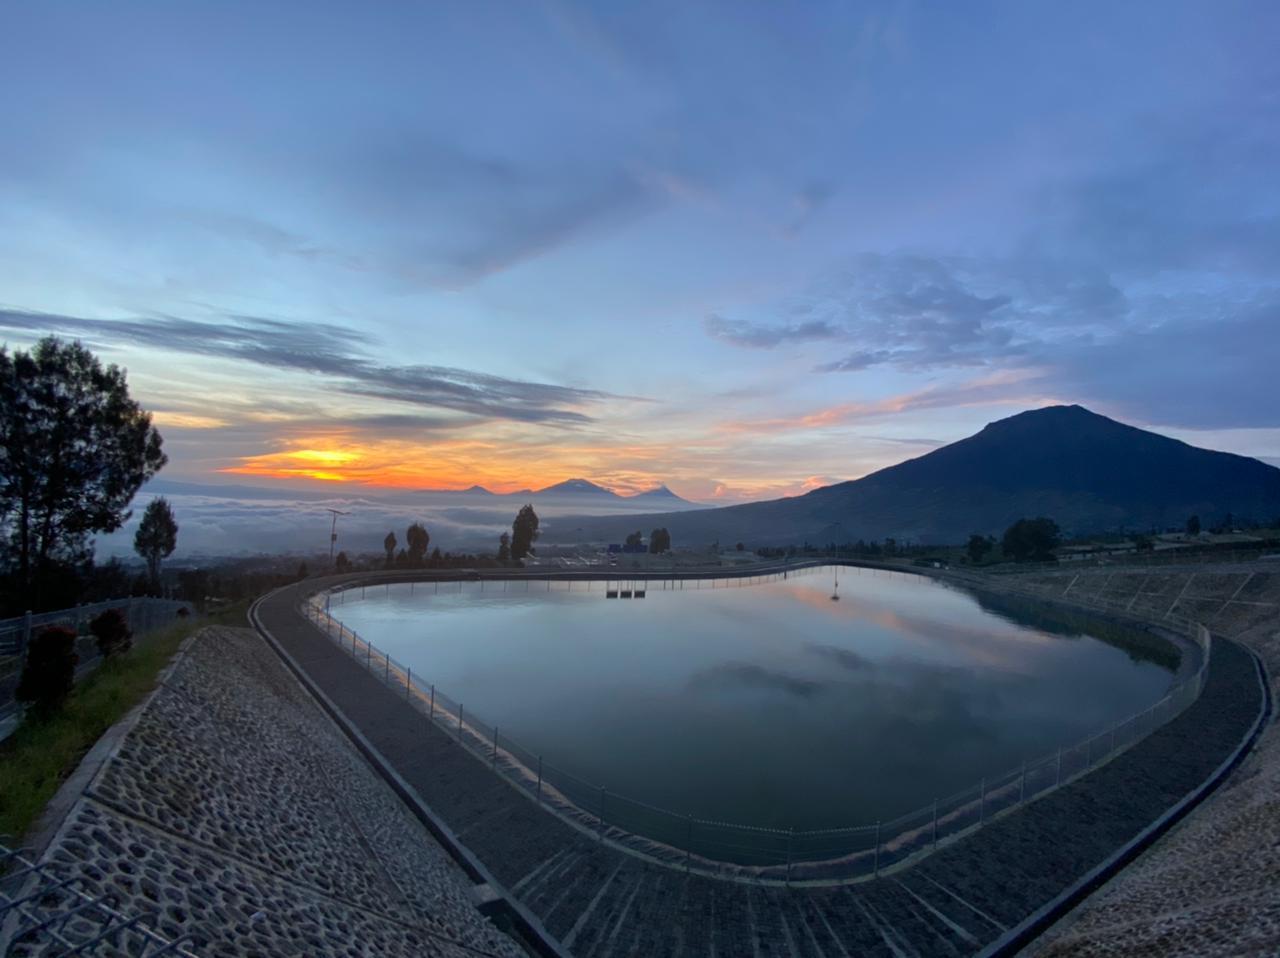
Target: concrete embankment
point(230, 809)
point(1211, 887)
point(600, 900)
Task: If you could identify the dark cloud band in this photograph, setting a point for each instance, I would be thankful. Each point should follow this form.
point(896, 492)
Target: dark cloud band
point(333, 352)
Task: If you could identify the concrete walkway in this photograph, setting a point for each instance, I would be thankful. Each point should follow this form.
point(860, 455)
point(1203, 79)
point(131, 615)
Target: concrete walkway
point(598, 900)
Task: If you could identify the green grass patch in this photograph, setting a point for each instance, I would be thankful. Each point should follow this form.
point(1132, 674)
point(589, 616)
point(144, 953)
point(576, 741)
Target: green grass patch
point(42, 752)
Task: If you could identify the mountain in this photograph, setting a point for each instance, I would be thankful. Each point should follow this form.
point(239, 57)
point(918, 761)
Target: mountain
point(659, 496)
point(577, 487)
point(1088, 472)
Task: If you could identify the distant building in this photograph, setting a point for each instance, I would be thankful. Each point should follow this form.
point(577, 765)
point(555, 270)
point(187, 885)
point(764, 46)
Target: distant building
point(616, 548)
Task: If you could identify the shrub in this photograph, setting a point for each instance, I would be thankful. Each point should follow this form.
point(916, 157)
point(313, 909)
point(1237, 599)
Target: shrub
point(49, 672)
point(111, 629)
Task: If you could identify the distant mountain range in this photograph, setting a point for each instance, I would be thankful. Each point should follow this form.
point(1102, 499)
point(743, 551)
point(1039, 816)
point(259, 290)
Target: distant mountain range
point(569, 489)
point(572, 488)
point(1088, 472)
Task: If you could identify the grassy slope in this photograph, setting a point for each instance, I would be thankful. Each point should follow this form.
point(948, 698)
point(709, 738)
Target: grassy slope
point(40, 754)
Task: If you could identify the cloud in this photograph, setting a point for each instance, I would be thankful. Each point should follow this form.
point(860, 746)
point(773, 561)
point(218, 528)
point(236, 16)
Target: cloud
point(744, 675)
point(334, 352)
point(760, 336)
point(499, 212)
point(807, 203)
point(1184, 356)
point(995, 388)
point(845, 658)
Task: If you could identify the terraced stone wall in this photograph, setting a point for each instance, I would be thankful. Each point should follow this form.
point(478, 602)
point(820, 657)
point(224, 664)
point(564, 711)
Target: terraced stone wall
point(233, 811)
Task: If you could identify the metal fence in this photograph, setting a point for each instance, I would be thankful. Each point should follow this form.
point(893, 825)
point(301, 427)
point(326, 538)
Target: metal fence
point(143, 614)
point(748, 852)
point(38, 908)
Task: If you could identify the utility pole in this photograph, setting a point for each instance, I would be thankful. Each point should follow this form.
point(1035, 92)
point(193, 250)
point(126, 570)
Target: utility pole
point(333, 531)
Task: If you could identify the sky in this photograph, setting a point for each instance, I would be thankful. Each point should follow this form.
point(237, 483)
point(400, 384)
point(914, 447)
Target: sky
point(745, 249)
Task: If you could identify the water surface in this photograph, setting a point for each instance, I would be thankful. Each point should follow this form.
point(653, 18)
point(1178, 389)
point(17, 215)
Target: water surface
point(765, 703)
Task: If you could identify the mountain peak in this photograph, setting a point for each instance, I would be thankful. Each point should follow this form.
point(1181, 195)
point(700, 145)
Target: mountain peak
point(1072, 414)
point(659, 491)
point(1086, 471)
point(576, 487)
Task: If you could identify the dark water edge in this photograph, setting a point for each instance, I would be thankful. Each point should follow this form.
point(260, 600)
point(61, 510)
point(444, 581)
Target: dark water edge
point(1138, 642)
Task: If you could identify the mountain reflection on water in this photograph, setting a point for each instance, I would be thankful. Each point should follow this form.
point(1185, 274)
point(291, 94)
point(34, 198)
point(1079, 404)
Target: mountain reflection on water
point(768, 703)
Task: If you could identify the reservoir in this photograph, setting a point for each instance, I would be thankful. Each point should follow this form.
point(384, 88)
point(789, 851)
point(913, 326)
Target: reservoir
point(820, 699)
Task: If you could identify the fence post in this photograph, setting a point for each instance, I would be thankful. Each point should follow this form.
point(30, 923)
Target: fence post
point(494, 763)
point(408, 677)
point(26, 630)
point(791, 832)
point(1057, 777)
point(539, 779)
point(459, 723)
point(431, 713)
point(877, 859)
point(386, 661)
point(1022, 785)
point(935, 823)
point(982, 804)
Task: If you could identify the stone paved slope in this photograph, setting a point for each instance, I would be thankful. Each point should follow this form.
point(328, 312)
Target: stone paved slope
point(599, 900)
point(1212, 886)
point(234, 810)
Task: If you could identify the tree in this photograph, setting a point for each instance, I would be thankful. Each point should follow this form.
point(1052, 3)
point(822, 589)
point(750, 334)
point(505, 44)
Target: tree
point(1193, 526)
point(111, 631)
point(1031, 540)
point(524, 532)
point(504, 547)
point(1143, 543)
point(417, 539)
point(74, 449)
point(740, 547)
point(978, 547)
point(303, 571)
point(341, 563)
point(389, 543)
point(659, 541)
point(157, 536)
point(49, 671)
point(635, 538)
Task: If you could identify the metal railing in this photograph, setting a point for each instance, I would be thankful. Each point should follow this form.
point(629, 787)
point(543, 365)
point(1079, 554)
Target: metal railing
point(143, 614)
point(38, 907)
point(748, 852)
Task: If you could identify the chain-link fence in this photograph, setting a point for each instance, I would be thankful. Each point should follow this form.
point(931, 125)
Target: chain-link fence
point(44, 911)
point(751, 852)
point(143, 614)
